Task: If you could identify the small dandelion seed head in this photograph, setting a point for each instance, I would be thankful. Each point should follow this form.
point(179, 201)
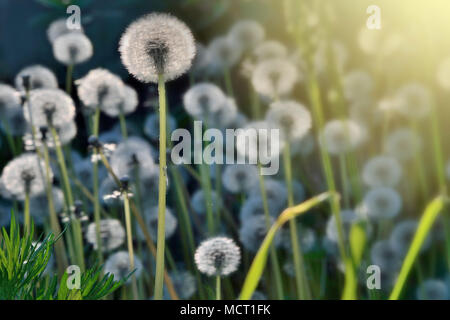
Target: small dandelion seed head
point(198, 202)
point(151, 126)
point(291, 117)
point(348, 217)
point(247, 33)
point(275, 77)
point(403, 144)
point(151, 219)
point(118, 265)
point(50, 107)
point(9, 99)
point(101, 88)
point(358, 85)
point(402, 236)
point(127, 105)
point(130, 154)
point(22, 175)
point(254, 206)
point(414, 101)
point(157, 44)
point(38, 77)
point(59, 28)
point(238, 178)
point(253, 231)
point(306, 239)
point(341, 136)
point(112, 234)
point(382, 171)
point(224, 116)
point(275, 191)
point(72, 48)
point(203, 99)
point(382, 203)
point(184, 284)
point(224, 52)
point(385, 256)
point(303, 146)
point(433, 289)
point(219, 256)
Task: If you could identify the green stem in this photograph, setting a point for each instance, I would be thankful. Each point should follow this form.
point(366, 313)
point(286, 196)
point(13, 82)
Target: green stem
point(27, 212)
point(160, 246)
point(126, 205)
point(228, 82)
point(96, 124)
point(123, 125)
point(69, 79)
point(218, 291)
point(9, 138)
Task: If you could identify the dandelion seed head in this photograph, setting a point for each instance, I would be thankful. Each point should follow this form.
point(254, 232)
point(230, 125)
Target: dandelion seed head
point(348, 217)
point(151, 125)
point(382, 171)
point(383, 255)
point(184, 284)
point(157, 44)
point(202, 99)
point(253, 206)
point(107, 190)
point(403, 144)
point(253, 231)
point(112, 234)
point(358, 85)
point(414, 101)
point(130, 154)
point(238, 178)
point(224, 53)
point(275, 191)
point(402, 236)
point(341, 136)
point(382, 203)
point(151, 218)
point(50, 107)
point(291, 117)
point(219, 256)
point(118, 265)
point(303, 146)
point(224, 116)
point(39, 76)
point(247, 33)
point(72, 48)
point(306, 239)
point(432, 289)
point(198, 202)
point(22, 175)
point(100, 88)
point(58, 28)
point(275, 77)
point(127, 106)
point(9, 99)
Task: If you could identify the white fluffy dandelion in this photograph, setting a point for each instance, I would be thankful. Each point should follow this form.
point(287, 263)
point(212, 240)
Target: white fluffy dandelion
point(348, 217)
point(238, 178)
point(403, 144)
point(358, 85)
point(270, 49)
point(433, 289)
point(151, 218)
point(382, 171)
point(58, 28)
point(385, 256)
point(9, 99)
point(402, 236)
point(151, 125)
point(198, 202)
point(253, 231)
point(254, 206)
point(157, 44)
point(382, 203)
point(414, 101)
point(128, 104)
point(39, 77)
point(72, 48)
point(203, 99)
point(247, 33)
point(341, 136)
point(218, 256)
point(224, 53)
point(112, 234)
point(118, 265)
point(50, 107)
point(292, 118)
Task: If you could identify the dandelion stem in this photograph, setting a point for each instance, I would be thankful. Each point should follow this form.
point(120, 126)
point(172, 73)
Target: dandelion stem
point(160, 245)
point(9, 138)
point(27, 211)
point(123, 125)
point(218, 291)
point(300, 275)
point(126, 206)
point(228, 82)
point(96, 124)
point(69, 79)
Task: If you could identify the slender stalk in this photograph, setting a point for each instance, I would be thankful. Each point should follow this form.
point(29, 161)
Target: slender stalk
point(69, 79)
point(160, 246)
point(273, 254)
point(123, 125)
point(228, 82)
point(126, 206)
point(218, 291)
point(9, 138)
point(96, 124)
point(27, 211)
point(300, 274)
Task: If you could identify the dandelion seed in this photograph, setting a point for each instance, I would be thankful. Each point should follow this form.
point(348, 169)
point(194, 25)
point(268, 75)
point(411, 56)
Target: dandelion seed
point(198, 202)
point(112, 234)
point(238, 178)
point(109, 193)
point(72, 48)
point(358, 85)
point(383, 255)
point(402, 236)
point(151, 218)
point(291, 117)
point(50, 108)
point(432, 289)
point(157, 44)
point(59, 28)
point(151, 126)
point(184, 284)
point(203, 99)
point(38, 77)
point(382, 203)
point(341, 136)
point(218, 256)
point(403, 144)
point(253, 231)
point(100, 88)
point(274, 78)
point(118, 265)
point(22, 175)
point(414, 101)
point(382, 171)
point(247, 33)
point(127, 105)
